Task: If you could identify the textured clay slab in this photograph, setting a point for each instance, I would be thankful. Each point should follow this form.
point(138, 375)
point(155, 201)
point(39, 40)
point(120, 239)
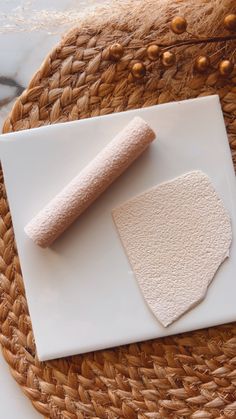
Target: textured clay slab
point(176, 236)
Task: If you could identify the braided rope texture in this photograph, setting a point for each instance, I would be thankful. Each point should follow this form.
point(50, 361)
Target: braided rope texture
point(186, 376)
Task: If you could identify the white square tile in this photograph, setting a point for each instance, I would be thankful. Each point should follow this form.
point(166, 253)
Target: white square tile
point(81, 292)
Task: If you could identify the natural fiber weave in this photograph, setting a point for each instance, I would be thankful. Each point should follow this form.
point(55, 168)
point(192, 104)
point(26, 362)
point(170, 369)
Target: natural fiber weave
point(193, 375)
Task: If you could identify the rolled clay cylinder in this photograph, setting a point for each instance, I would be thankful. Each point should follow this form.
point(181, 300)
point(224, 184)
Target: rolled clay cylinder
point(89, 184)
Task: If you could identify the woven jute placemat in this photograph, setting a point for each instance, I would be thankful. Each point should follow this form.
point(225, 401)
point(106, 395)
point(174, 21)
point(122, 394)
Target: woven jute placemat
point(192, 375)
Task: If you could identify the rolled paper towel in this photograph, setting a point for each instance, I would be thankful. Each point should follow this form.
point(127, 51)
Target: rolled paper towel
point(89, 184)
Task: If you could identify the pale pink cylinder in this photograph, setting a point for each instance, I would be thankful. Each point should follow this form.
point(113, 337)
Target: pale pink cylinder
point(89, 184)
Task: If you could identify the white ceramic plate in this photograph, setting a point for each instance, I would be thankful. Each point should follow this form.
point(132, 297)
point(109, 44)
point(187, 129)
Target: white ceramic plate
point(81, 292)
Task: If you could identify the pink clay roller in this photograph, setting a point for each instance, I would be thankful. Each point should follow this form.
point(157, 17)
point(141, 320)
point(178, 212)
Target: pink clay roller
point(86, 187)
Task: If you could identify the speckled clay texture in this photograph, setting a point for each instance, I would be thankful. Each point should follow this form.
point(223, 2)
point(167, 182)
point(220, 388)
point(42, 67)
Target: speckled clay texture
point(85, 188)
point(176, 236)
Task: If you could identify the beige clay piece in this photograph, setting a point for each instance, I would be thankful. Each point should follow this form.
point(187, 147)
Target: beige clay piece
point(176, 236)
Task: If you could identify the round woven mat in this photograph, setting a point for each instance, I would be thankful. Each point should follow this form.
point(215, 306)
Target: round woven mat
point(192, 375)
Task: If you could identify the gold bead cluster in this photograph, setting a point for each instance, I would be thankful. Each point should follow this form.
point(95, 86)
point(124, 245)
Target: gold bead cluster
point(168, 58)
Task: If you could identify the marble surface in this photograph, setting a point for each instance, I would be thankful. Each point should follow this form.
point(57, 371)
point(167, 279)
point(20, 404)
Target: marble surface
point(23, 46)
